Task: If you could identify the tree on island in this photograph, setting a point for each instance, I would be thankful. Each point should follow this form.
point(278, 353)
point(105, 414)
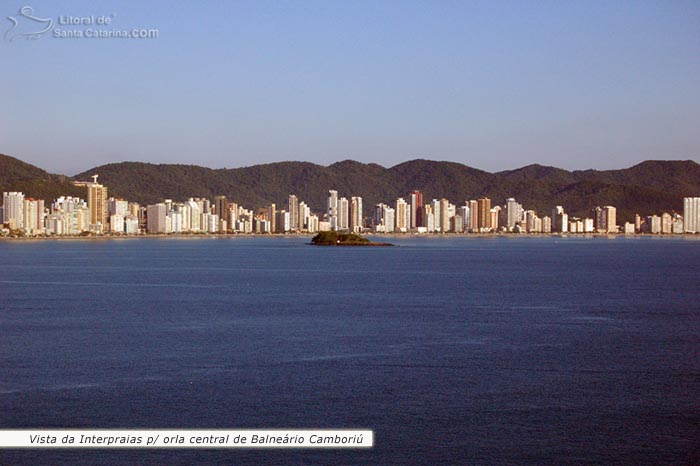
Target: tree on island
point(334, 238)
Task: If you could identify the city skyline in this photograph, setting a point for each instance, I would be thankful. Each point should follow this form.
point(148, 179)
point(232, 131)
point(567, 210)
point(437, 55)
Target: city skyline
point(100, 215)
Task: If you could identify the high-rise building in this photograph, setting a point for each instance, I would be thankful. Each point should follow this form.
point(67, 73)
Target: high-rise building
point(272, 217)
point(610, 214)
point(221, 206)
point(457, 223)
point(417, 213)
point(605, 219)
point(333, 209)
point(33, 216)
point(547, 225)
point(435, 209)
point(283, 221)
point(384, 219)
point(117, 207)
point(156, 216)
point(666, 223)
point(446, 211)
point(97, 203)
point(473, 224)
point(343, 214)
point(495, 215)
point(531, 222)
point(13, 209)
point(514, 213)
point(312, 226)
point(599, 219)
point(304, 213)
point(403, 215)
point(429, 219)
point(356, 217)
point(560, 220)
point(484, 213)
point(463, 211)
point(293, 209)
point(653, 224)
point(691, 214)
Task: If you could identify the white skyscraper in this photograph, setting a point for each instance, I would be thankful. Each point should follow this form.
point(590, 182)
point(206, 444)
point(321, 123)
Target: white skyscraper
point(33, 216)
point(514, 213)
point(195, 215)
point(117, 207)
point(389, 219)
point(560, 220)
point(356, 214)
point(304, 214)
point(610, 214)
point(343, 214)
point(293, 212)
point(333, 209)
point(403, 215)
point(691, 214)
point(13, 211)
point(384, 219)
point(446, 211)
point(435, 209)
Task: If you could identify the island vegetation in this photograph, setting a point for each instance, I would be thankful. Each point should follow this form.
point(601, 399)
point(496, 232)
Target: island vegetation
point(334, 238)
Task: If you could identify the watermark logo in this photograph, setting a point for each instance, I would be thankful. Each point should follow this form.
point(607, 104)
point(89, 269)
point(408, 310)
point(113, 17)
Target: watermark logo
point(27, 26)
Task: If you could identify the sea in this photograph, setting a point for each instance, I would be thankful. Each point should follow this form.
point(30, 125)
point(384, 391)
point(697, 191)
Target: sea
point(454, 350)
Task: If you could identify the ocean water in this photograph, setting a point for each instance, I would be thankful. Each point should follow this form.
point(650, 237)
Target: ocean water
point(453, 350)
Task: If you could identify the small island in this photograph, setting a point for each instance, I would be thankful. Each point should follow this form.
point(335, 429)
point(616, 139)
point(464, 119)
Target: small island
point(333, 238)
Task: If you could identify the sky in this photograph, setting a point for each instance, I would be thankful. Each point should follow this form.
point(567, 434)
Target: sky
point(495, 85)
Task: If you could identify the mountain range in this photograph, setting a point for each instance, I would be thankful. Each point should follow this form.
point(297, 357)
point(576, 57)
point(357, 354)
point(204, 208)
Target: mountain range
point(653, 186)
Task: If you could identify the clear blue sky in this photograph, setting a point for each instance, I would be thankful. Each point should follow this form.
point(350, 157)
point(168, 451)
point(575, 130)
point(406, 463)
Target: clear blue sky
point(492, 84)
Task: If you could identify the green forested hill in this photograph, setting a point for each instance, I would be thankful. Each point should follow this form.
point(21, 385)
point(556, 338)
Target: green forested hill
point(16, 175)
point(649, 187)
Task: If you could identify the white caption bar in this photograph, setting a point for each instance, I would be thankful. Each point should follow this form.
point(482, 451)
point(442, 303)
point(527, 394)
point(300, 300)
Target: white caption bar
point(200, 438)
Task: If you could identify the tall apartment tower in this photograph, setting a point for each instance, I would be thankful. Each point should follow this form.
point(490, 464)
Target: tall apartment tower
point(343, 214)
point(33, 216)
point(303, 217)
point(484, 206)
point(13, 209)
point(356, 214)
point(444, 215)
point(514, 213)
point(293, 210)
point(691, 214)
point(272, 217)
point(610, 214)
point(333, 209)
point(599, 219)
point(417, 213)
point(402, 215)
point(435, 209)
point(473, 215)
point(560, 220)
point(221, 207)
point(97, 203)
point(156, 218)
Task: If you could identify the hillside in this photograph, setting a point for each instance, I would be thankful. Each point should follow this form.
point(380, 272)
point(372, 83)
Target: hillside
point(648, 187)
point(16, 175)
point(652, 186)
